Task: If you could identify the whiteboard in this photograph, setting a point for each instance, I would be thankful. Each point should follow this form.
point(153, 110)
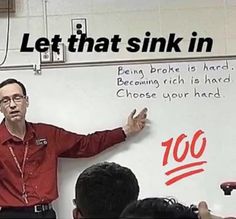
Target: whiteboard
point(191, 125)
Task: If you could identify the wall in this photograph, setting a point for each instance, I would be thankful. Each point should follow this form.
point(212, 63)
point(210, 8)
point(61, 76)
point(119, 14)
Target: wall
point(213, 18)
point(85, 89)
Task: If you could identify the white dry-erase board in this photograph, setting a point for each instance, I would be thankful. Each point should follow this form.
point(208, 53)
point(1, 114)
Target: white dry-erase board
point(188, 147)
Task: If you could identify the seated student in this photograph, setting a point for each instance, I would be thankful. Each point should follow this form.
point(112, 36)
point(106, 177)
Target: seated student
point(104, 190)
point(165, 208)
point(158, 208)
point(204, 212)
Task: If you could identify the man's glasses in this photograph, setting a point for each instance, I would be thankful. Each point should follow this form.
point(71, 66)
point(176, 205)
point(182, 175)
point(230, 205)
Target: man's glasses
point(17, 99)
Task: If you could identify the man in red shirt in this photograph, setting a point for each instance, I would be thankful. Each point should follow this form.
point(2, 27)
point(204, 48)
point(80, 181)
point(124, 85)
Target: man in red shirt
point(29, 152)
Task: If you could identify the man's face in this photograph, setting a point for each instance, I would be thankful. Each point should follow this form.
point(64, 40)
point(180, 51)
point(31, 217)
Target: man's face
point(13, 103)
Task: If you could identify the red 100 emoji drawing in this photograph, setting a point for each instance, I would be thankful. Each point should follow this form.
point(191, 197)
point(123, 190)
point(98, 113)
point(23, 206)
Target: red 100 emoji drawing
point(194, 148)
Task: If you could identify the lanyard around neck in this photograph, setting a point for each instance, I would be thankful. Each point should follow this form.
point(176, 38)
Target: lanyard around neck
point(21, 169)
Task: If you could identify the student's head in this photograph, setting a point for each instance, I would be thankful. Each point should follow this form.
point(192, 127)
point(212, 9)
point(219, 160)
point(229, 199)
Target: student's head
point(104, 190)
point(13, 100)
point(157, 208)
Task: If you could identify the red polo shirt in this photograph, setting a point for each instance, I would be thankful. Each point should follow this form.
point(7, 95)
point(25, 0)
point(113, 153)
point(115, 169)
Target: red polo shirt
point(45, 144)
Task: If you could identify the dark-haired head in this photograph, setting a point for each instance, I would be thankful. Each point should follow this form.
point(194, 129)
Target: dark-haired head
point(104, 190)
point(13, 81)
point(157, 208)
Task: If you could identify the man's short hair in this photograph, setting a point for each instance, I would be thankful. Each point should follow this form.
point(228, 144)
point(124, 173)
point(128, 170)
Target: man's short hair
point(13, 81)
point(104, 190)
point(158, 208)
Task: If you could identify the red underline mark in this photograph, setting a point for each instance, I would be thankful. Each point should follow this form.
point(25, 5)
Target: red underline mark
point(185, 167)
point(184, 175)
